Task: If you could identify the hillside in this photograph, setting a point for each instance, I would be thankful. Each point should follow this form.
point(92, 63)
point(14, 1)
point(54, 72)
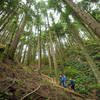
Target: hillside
point(17, 82)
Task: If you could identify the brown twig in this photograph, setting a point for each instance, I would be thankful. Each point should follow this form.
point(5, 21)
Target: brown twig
point(30, 93)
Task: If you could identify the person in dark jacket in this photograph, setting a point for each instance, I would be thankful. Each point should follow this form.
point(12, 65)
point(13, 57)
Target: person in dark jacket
point(72, 83)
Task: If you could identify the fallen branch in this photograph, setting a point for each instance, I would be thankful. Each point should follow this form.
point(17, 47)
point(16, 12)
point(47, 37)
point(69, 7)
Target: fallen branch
point(30, 93)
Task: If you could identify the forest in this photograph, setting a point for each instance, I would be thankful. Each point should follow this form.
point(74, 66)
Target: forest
point(43, 40)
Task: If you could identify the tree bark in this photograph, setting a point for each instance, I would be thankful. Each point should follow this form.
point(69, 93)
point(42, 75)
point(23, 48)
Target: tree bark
point(92, 34)
point(4, 17)
point(89, 32)
point(6, 22)
point(53, 52)
point(29, 52)
point(20, 52)
point(44, 53)
point(60, 55)
point(61, 46)
point(1, 12)
point(13, 33)
point(34, 54)
point(39, 49)
point(87, 18)
point(10, 53)
point(54, 56)
point(24, 55)
point(4, 41)
point(49, 58)
point(3, 36)
point(34, 51)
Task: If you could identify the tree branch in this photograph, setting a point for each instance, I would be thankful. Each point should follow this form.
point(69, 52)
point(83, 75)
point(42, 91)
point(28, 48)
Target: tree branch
point(30, 93)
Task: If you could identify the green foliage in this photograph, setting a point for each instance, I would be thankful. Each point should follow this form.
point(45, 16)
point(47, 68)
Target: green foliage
point(26, 68)
point(52, 74)
point(86, 4)
point(70, 72)
point(73, 63)
point(96, 14)
point(46, 82)
point(30, 98)
point(47, 99)
point(20, 82)
point(45, 60)
point(77, 71)
point(45, 69)
point(4, 95)
point(96, 86)
point(97, 56)
point(36, 61)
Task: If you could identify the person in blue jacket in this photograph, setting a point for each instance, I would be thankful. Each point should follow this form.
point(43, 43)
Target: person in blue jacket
point(72, 83)
point(63, 81)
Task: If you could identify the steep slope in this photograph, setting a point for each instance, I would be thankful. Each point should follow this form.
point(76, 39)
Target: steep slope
point(21, 83)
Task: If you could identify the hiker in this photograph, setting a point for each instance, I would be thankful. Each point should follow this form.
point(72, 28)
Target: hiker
point(63, 81)
point(72, 84)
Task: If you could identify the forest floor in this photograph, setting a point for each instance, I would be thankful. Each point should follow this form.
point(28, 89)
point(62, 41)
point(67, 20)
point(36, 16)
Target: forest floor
point(21, 83)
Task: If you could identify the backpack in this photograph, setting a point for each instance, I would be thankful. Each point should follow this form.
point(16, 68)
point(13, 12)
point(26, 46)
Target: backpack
point(72, 83)
point(62, 79)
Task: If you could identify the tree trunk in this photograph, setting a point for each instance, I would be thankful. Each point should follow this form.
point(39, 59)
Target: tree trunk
point(3, 28)
point(49, 58)
point(24, 55)
point(87, 18)
point(92, 34)
point(61, 46)
point(34, 48)
point(60, 55)
point(29, 52)
point(53, 52)
point(6, 23)
point(34, 51)
point(89, 32)
point(1, 12)
point(88, 58)
point(20, 52)
point(10, 53)
point(34, 54)
point(4, 17)
point(3, 36)
point(54, 56)
point(39, 49)
point(4, 41)
point(44, 54)
point(10, 34)
point(13, 33)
